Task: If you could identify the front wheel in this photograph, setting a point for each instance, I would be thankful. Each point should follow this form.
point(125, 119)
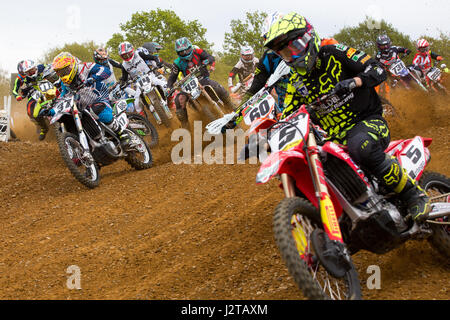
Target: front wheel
point(80, 163)
point(294, 221)
point(438, 188)
point(161, 112)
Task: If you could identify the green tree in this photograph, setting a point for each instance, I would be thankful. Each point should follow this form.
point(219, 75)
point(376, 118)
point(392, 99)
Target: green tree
point(82, 51)
point(247, 32)
point(161, 26)
point(364, 36)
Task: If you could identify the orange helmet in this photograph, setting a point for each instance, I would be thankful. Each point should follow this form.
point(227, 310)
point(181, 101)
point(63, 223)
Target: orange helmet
point(65, 66)
point(328, 41)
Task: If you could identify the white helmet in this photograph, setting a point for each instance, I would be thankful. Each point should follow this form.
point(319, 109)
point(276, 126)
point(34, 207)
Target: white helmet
point(268, 21)
point(247, 54)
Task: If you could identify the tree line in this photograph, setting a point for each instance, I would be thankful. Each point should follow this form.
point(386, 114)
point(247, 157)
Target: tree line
point(164, 26)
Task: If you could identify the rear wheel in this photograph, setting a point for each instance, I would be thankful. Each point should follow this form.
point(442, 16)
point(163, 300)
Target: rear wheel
point(438, 188)
point(82, 166)
point(144, 128)
point(294, 222)
point(139, 155)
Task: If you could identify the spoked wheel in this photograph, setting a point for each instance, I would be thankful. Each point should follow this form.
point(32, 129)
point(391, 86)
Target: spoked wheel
point(160, 111)
point(294, 222)
point(139, 154)
point(438, 188)
point(81, 164)
point(144, 128)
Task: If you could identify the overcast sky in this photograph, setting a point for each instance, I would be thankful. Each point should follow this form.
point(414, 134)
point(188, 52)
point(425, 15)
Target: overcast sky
point(28, 28)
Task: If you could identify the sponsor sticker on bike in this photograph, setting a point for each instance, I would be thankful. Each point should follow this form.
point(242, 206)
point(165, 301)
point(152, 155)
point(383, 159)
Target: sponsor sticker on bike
point(290, 134)
point(260, 109)
point(413, 158)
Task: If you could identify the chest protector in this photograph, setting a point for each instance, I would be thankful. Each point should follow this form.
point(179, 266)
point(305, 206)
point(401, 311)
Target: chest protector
point(136, 66)
point(184, 65)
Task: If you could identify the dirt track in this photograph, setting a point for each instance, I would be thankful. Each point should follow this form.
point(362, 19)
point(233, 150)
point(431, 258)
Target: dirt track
point(178, 231)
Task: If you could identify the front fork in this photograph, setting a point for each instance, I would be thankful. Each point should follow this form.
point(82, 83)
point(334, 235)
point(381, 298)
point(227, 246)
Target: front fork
point(83, 139)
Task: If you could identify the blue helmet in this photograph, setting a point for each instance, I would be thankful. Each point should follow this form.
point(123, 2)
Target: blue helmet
point(184, 49)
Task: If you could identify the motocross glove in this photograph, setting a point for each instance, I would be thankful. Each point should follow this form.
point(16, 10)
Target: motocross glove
point(19, 98)
point(344, 87)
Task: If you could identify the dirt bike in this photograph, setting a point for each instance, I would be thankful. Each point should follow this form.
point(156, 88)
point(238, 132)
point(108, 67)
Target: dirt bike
point(332, 208)
point(200, 97)
point(434, 79)
point(241, 88)
point(400, 75)
point(258, 106)
point(44, 92)
point(153, 96)
point(86, 144)
point(137, 122)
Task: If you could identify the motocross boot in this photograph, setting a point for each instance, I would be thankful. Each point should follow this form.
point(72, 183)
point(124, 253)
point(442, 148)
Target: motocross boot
point(42, 134)
point(123, 136)
point(43, 128)
point(395, 178)
point(183, 117)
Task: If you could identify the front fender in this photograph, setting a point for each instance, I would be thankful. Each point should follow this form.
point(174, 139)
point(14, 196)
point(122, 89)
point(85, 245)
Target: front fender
point(295, 165)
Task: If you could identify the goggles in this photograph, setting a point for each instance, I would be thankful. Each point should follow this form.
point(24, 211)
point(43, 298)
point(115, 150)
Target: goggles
point(294, 49)
point(127, 56)
point(185, 52)
point(64, 71)
point(31, 72)
point(247, 57)
point(423, 49)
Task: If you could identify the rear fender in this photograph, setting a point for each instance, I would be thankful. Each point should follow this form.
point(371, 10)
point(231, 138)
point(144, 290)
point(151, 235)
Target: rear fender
point(413, 155)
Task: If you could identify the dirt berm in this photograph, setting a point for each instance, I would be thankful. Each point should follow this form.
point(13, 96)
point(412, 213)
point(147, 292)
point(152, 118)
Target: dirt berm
point(178, 231)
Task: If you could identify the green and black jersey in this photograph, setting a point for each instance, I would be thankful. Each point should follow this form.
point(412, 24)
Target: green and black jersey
point(336, 63)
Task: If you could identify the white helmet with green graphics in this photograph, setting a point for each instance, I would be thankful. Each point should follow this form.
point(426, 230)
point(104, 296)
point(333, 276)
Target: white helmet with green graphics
point(294, 39)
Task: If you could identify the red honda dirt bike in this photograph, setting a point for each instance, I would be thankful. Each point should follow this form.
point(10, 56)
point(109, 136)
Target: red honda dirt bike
point(332, 208)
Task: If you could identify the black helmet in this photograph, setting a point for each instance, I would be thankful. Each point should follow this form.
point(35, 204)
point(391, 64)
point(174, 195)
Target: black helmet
point(152, 47)
point(384, 43)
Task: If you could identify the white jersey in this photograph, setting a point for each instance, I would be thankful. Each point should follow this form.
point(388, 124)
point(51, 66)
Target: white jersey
point(136, 66)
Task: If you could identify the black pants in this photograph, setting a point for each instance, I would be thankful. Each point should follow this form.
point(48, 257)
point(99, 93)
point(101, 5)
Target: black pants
point(367, 141)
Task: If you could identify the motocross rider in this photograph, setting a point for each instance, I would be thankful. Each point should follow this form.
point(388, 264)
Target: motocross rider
point(76, 74)
point(154, 48)
point(356, 120)
point(102, 58)
point(29, 74)
point(244, 67)
point(388, 53)
point(136, 63)
point(423, 58)
point(189, 57)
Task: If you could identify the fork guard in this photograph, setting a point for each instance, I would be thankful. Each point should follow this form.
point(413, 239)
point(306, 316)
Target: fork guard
point(212, 93)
